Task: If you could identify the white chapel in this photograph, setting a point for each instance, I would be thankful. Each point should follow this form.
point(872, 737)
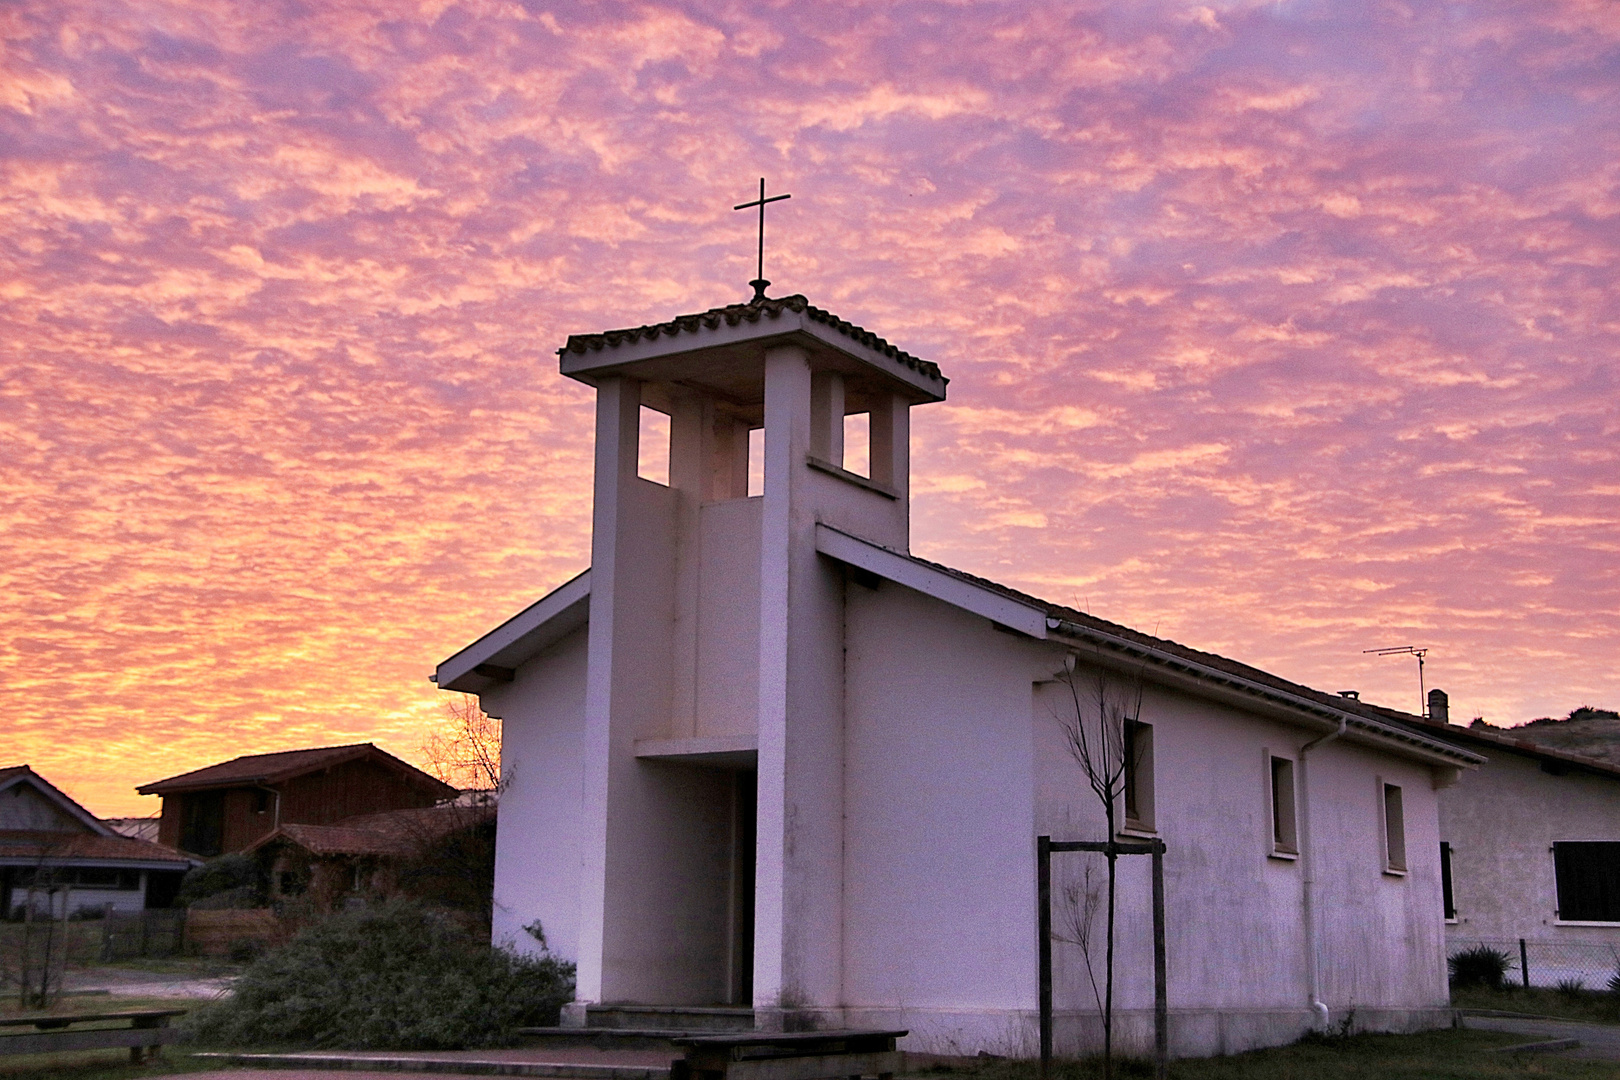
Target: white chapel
point(762, 757)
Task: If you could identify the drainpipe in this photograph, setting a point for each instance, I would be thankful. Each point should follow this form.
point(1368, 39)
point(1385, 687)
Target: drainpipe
point(1307, 855)
point(276, 821)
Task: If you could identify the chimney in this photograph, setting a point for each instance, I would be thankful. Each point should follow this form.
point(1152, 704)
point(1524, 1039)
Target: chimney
point(1439, 706)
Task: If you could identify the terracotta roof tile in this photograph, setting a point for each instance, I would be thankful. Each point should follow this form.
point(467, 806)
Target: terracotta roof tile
point(57, 846)
point(391, 833)
point(732, 314)
point(282, 765)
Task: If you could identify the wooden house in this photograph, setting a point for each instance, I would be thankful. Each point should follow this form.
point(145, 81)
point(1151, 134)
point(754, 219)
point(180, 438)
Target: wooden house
point(229, 806)
point(55, 854)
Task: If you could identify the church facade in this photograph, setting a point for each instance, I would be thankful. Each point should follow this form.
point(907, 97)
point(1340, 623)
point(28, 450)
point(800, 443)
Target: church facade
point(761, 755)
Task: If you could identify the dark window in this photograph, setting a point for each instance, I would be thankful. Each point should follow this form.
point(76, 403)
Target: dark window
point(1394, 831)
point(1445, 880)
point(1588, 877)
point(83, 877)
point(1138, 774)
point(1283, 837)
point(202, 823)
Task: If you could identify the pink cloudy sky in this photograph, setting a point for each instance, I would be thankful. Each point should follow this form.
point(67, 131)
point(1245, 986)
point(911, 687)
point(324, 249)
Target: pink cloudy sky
point(1286, 330)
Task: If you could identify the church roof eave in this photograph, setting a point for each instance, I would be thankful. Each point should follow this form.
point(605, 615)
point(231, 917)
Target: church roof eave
point(787, 319)
point(494, 657)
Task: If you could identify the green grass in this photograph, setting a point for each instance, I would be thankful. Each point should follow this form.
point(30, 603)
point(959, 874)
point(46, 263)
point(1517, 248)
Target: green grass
point(100, 1064)
point(1597, 1006)
point(1430, 1055)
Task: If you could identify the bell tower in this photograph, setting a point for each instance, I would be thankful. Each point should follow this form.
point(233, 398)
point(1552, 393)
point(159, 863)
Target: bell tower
point(715, 645)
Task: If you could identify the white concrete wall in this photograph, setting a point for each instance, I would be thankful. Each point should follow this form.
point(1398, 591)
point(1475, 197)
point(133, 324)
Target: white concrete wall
point(80, 899)
point(537, 836)
point(939, 882)
point(728, 619)
point(955, 762)
point(1501, 822)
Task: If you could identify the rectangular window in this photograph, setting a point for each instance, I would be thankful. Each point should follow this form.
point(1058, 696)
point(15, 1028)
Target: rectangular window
point(1394, 831)
point(1284, 836)
point(858, 444)
point(1138, 775)
point(756, 462)
point(1446, 895)
point(652, 447)
point(1588, 879)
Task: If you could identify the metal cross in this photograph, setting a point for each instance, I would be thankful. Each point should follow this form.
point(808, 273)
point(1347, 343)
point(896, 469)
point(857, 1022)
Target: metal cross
point(759, 282)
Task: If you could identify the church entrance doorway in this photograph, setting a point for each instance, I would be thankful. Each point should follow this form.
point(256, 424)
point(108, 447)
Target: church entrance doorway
point(744, 808)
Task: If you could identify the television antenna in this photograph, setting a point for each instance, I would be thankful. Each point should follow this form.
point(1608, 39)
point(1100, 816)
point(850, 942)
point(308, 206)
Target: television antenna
point(1407, 650)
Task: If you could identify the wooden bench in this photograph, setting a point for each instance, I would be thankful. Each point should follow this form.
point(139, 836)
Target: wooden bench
point(788, 1055)
point(146, 1029)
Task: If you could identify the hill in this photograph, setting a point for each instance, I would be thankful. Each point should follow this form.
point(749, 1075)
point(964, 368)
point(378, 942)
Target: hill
point(1591, 732)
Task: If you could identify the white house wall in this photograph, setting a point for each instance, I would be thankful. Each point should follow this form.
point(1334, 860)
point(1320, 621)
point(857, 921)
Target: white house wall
point(1382, 941)
point(1501, 823)
point(537, 839)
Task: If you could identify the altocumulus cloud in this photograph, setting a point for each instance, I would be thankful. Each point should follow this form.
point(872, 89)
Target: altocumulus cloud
point(1285, 329)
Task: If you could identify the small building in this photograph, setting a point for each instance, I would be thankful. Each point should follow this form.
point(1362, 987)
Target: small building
point(57, 856)
point(1530, 852)
point(366, 857)
point(229, 806)
point(762, 754)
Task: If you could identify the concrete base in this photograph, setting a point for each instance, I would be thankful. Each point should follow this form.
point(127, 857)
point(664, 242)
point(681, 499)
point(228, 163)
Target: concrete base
point(574, 1015)
point(1016, 1033)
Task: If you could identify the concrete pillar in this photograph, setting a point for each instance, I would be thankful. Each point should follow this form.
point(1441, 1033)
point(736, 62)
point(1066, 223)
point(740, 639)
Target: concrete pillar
point(618, 419)
point(827, 417)
point(799, 864)
point(891, 443)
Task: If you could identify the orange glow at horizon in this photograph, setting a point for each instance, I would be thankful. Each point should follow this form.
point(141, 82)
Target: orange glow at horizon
point(1284, 330)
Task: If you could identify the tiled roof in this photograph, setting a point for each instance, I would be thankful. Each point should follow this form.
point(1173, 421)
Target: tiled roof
point(283, 765)
point(732, 314)
point(1498, 739)
point(13, 774)
point(1210, 661)
point(1434, 729)
point(390, 833)
point(73, 846)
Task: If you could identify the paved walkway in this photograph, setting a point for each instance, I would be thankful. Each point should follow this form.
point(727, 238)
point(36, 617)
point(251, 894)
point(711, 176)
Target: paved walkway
point(308, 1074)
point(1598, 1041)
point(578, 1062)
point(145, 983)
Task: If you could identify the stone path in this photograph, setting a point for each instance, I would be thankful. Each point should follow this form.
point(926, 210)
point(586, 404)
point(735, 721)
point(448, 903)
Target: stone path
point(576, 1062)
point(308, 1074)
point(1599, 1042)
point(145, 983)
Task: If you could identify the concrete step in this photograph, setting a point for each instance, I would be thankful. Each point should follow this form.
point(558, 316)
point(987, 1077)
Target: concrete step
point(669, 1017)
point(604, 1038)
point(468, 1063)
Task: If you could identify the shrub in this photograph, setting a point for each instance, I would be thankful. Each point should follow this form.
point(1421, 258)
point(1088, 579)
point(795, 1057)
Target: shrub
point(1614, 983)
point(244, 950)
point(1480, 965)
point(394, 977)
point(1571, 988)
point(230, 881)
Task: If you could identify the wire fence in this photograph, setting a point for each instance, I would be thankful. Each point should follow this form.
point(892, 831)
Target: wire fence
point(1551, 964)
